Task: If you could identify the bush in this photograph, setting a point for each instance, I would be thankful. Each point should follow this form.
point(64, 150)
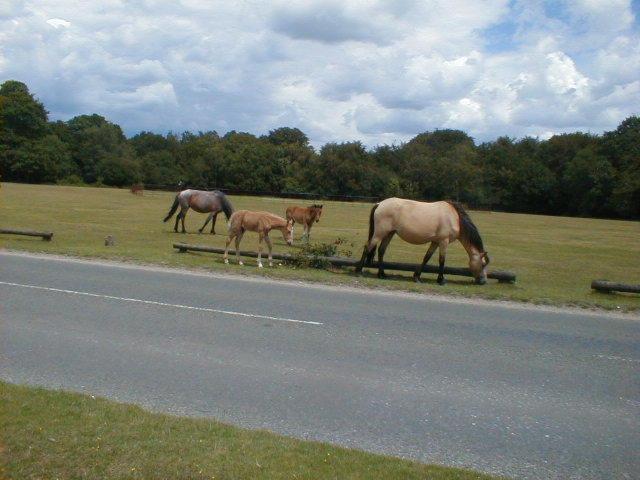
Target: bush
point(72, 180)
point(311, 254)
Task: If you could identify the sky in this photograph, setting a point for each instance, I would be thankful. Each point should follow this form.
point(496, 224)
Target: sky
point(379, 72)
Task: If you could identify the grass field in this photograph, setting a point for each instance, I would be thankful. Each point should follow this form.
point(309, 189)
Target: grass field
point(555, 258)
point(52, 434)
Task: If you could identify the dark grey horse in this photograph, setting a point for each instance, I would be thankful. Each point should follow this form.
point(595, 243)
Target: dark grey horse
point(202, 202)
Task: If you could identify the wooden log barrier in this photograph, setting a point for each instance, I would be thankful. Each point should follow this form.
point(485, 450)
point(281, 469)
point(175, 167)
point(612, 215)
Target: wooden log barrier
point(501, 276)
point(30, 233)
point(608, 287)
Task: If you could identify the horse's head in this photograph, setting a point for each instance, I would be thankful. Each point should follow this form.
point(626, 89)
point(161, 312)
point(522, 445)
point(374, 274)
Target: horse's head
point(287, 232)
point(317, 211)
point(478, 265)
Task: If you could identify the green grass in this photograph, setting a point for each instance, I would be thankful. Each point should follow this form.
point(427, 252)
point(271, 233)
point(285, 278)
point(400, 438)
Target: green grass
point(555, 258)
point(53, 434)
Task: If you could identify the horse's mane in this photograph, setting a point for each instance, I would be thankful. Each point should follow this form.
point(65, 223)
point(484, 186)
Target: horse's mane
point(468, 229)
point(227, 208)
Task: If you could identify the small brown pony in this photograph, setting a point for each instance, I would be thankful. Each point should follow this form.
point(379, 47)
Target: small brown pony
point(305, 216)
point(202, 202)
point(420, 222)
point(261, 222)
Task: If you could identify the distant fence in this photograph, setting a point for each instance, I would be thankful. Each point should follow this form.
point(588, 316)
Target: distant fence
point(254, 193)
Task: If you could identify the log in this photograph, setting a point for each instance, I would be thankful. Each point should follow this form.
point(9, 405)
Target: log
point(608, 287)
point(30, 233)
point(501, 276)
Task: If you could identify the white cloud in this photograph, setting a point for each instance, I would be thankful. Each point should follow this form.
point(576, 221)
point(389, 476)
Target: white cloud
point(375, 71)
point(58, 22)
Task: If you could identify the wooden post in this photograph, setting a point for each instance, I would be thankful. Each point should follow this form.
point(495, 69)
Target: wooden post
point(30, 233)
point(608, 287)
point(501, 276)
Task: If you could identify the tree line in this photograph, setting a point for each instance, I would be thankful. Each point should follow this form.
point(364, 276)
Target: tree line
point(579, 174)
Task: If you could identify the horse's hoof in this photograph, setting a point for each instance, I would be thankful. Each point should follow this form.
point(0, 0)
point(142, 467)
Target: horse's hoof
point(260, 265)
point(271, 264)
point(442, 281)
point(417, 279)
point(226, 261)
point(382, 275)
point(240, 262)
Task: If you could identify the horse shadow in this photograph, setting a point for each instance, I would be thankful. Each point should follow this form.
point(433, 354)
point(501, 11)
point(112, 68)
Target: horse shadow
point(425, 279)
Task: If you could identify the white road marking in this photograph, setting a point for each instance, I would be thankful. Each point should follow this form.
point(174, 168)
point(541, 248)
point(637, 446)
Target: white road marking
point(619, 359)
point(162, 304)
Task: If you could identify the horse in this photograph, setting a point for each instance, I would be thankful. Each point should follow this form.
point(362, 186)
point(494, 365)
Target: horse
point(261, 222)
point(202, 202)
point(137, 189)
point(306, 216)
point(420, 222)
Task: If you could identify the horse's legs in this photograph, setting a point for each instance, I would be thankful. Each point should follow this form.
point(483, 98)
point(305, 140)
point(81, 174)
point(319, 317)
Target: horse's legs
point(360, 264)
point(425, 260)
point(238, 238)
point(175, 226)
point(226, 247)
point(381, 249)
point(309, 231)
point(260, 237)
point(209, 217)
point(442, 251)
point(183, 213)
point(214, 217)
point(368, 252)
point(306, 232)
point(270, 246)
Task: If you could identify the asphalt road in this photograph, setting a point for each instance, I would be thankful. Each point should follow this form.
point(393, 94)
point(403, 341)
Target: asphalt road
point(519, 391)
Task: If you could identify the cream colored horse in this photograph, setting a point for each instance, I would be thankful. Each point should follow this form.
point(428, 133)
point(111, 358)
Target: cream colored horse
point(420, 222)
point(305, 216)
point(261, 222)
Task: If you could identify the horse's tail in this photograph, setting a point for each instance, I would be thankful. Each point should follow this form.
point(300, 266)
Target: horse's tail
point(468, 229)
point(371, 222)
point(227, 208)
point(372, 227)
point(174, 207)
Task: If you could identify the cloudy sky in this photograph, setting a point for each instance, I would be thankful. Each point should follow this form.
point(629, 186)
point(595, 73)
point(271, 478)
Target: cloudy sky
point(374, 71)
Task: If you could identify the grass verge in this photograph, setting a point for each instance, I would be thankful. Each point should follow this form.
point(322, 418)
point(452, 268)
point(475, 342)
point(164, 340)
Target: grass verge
point(555, 258)
point(55, 434)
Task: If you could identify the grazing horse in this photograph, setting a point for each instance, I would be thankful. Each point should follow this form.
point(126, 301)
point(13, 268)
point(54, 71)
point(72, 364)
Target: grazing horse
point(420, 222)
point(306, 216)
point(261, 222)
point(202, 202)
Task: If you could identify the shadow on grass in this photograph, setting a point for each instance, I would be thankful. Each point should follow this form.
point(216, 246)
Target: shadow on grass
point(425, 279)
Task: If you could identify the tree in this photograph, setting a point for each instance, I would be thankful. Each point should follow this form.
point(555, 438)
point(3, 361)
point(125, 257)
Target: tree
point(21, 115)
point(95, 140)
point(440, 142)
point(625, 198)
point(286, 135)
point(622, 146)
point(46, 159)
point(589, 178)
point(347, 169)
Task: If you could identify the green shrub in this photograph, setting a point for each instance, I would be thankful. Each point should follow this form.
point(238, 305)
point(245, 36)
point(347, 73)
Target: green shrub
point(311, 255)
